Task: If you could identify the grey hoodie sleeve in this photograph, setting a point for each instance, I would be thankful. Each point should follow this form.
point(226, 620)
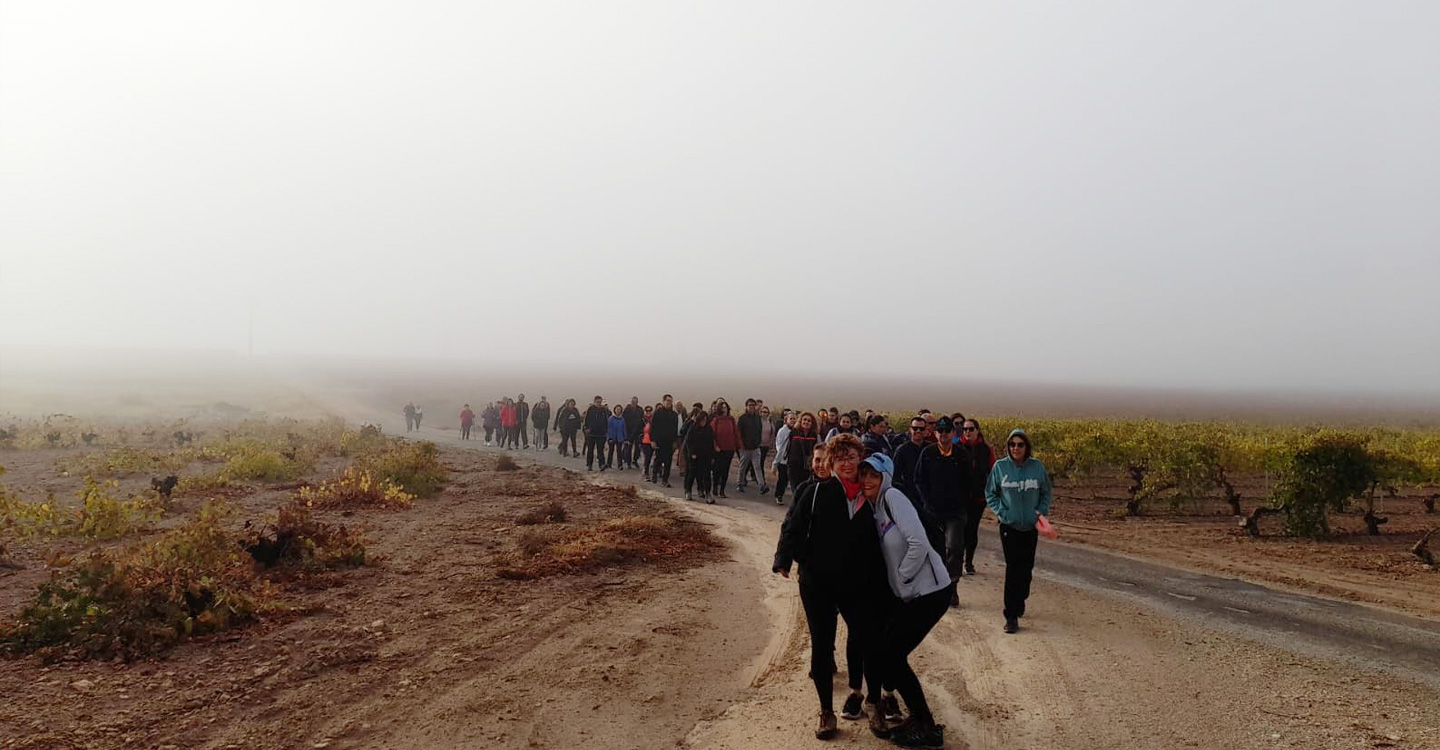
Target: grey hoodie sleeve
point(907, 522)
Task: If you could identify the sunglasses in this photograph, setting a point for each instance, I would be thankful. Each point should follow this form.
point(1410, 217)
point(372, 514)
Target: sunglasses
point(1017, 445)
point(971, 429)
point(914, 428)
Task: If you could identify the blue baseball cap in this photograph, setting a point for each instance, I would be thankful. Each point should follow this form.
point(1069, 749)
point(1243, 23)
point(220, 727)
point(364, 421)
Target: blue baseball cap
point(881, 463)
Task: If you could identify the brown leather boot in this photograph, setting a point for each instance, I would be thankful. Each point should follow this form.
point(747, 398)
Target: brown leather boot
point(826, 730)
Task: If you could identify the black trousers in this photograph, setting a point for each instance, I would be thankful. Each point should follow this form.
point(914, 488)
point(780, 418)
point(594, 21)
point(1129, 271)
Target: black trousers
point(821, 600)
point(464, 432)
point(974, 513)
point(782, 474)
point(512, 435)
point(569, 437)
point(722, 469)
point(649, 451)
point(664, 455)
point(614, 450)
point(697, 471)
point(1019, 549)
point(907, 626)
point(594, 449)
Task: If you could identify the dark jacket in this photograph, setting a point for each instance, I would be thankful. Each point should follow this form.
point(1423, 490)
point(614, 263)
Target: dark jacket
point(568, 419)
point(540, 415)
point(907, 458)
point(699, 443)
point(664, 426)
point(875, 444)
point(634, 421)
point(597, 421)
point(490, 417)
point(751, 428)
point(944, 482)
point(982, 457)
point(798, 452)
point(522, 412)
point(829, 544)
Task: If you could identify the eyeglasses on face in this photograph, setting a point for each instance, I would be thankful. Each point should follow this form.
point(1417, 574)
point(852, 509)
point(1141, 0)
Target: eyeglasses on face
point(917, 428)
point(1017, 445)
point(971, 429)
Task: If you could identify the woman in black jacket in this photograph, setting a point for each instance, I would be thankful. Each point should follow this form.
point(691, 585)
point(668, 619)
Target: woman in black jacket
point(567, 423)
point(699, 453)
point(832, 535)
point(982, 457)
point(797, 452)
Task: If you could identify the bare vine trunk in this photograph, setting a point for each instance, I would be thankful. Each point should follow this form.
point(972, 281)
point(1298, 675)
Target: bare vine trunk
point(1422, 551)
point(1252, 521)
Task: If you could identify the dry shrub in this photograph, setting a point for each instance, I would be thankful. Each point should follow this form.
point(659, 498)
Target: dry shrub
point(645, 539)
point(551, 512)
point(136, 601)
point(296, 540)
point(100, 515)
point(355, 488)
point(628, 490)
point(506, 463)
point(414, 467)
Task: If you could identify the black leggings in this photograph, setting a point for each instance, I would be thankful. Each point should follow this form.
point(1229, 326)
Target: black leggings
point(722, 469)
point(489, 433)
point(973, 514)
point(569, 437)
point(822, 599)
point(697, 471)
point(908, 625)
point(1019, 549)
point(649, 451)
point(464, 432)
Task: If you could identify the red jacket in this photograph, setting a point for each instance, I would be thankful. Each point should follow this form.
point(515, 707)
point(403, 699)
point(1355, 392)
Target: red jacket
point(507, 416)
point(727, 433)
point(467, 416)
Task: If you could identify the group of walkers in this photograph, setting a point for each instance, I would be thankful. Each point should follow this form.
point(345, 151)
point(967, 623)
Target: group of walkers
point(883, 533)
point(883, 525)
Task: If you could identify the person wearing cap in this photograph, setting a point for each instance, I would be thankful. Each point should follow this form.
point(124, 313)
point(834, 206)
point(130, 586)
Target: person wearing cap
point(943, 478)
point(830, 531)
point(1018, 491)
point(918, 578)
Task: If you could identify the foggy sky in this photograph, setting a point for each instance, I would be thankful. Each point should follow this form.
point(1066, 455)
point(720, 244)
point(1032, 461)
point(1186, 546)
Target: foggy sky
point(1206, 194)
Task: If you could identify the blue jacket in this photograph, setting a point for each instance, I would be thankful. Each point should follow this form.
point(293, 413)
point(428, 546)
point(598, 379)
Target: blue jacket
point(1018, 492)
point(617, 430)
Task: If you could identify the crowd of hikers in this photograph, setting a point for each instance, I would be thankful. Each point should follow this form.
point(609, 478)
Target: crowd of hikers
point(883, 524)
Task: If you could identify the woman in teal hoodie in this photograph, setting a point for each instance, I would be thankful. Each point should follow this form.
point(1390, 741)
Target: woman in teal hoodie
point(1018, 491)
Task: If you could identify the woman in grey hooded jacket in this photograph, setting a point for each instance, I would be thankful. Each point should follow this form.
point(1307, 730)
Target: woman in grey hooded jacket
point(917, 576)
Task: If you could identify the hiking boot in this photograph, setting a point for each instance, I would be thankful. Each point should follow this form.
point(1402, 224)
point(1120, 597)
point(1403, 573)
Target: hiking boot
point(878, 725)
point(854, 707)
point(1012, 625)
point(969, 568)
point(688, 496)
point(826, 730)
point(764, 490)
point(955, 598)
point(922, 734)
point(739, 488)
point(778, 501)
point(710, 499)
point(892, 708)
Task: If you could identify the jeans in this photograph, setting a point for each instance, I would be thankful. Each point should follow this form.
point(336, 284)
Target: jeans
point(542, 438)
point(750, 459)
point(615, 449)
point(907, 626)
point(782, 474)
point(664, 453)
point(649, 451)
point(594, 449)
point(722, 469)
point(465, 431)
point(1019, 549)
point(975, 512)
point(954, 552)
point(821, 599)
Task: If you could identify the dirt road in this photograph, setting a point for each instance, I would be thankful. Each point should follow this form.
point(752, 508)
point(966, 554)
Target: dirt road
point(1116, 653)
